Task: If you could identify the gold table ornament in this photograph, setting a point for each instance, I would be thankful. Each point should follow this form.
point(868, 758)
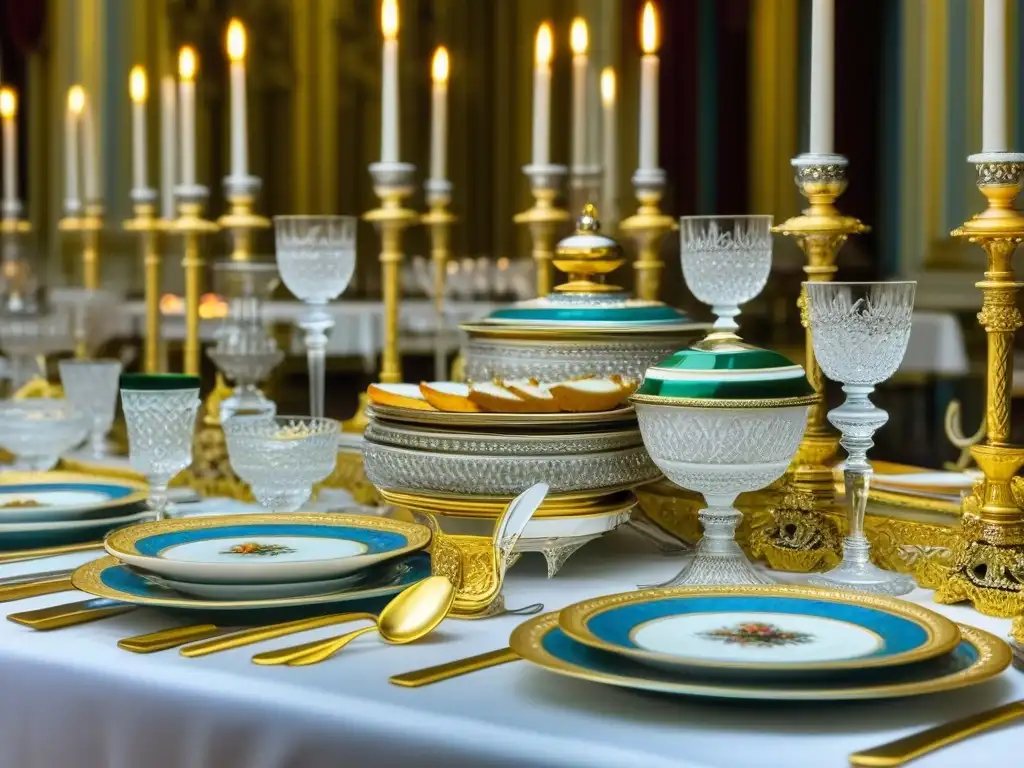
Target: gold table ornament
point(86, 222)
point(190, 224)
point(145, 222)
point(544, 218)
point(801, 537)
point(240, 220)
point(648, 228)
point(988, 559)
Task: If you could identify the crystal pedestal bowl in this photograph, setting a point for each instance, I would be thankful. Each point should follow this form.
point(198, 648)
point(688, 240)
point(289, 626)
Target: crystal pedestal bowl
point(722, 418)
point(38, 430)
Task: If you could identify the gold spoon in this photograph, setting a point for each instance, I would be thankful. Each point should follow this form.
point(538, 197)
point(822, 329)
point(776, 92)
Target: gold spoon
point(413, 613)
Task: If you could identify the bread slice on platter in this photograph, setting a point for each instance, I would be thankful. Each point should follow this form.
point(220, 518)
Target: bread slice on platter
point(449, 396)
point(495, 398)
point(533, 392)
point(587, 395)
point(399, 396)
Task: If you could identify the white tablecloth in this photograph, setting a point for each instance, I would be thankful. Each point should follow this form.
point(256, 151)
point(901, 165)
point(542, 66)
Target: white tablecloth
point(71, 699)
point(936, 345)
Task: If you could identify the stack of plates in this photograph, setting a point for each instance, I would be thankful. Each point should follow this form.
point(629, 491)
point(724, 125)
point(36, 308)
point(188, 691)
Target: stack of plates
point(260, 561)
point(44, 509)
point(772, 643)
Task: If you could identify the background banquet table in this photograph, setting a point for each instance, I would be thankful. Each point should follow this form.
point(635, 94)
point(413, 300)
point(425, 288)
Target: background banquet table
point(71, 698)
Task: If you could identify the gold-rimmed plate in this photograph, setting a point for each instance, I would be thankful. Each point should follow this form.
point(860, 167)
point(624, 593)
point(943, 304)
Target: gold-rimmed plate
point(555, 505)
point(504, 420)
point(47, 497)
point(772, 630)
point(979, 657)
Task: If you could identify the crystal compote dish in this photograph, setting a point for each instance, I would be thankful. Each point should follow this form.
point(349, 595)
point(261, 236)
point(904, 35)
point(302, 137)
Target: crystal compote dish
point(726, 261)
point(160, 413)
point(38, 430)
point(316, 256)
point(91, 387)
point(722, 418)
point(860, 333)
point(282, 457)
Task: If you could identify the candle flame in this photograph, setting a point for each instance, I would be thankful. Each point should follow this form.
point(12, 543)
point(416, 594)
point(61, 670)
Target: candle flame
point(188, 63)
point(8, 103)
point(389, 19)
point(76, 99)
point(137, 85)
point(608, 86)
point(439, 68)
point(649, 29)
point(578, 38)
point(544, 45)
point(236, 40)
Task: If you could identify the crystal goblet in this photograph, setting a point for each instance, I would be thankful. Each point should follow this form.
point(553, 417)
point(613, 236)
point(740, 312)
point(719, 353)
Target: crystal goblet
point(38, 430)
point(726, 261)
point(160, 413)
point(316, 256)
point(860, 333)
point(282, 457)
point(91, 386)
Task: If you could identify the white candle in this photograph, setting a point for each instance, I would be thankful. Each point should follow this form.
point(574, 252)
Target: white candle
point(580, 66)
point(542, 96)
point(8, 113)
point(439, 115)
point(649, 66)
point(90, 154)
point(138, 90)
point(76, 104)
point(239, 122)
point(389, 83)
point(823, 55)
point(168, 146)
point(187, 66)
point(609, 159)
point(993, 122)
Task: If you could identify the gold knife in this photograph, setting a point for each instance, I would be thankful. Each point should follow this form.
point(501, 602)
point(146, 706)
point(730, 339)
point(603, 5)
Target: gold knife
point(454, 668)
point(171, 638)
point(912, 747)
point(44, 584)
point(259, 634)
point(19, 555)
point(70, 614)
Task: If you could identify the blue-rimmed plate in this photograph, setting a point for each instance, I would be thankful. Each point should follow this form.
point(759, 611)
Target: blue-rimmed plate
point(42, 497)
point(978, 657)
point(108, 578)
point(256, 591)
point(777, 629)
point(264, 548)
point(33, 535)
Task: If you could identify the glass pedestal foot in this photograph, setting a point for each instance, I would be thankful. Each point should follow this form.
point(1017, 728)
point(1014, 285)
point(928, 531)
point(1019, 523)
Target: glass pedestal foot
point(857, 573)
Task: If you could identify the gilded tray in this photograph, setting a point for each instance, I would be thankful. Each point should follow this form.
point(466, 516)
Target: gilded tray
point(584, 503)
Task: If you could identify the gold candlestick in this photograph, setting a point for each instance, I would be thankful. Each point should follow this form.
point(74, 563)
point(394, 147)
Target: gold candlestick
point(988, 557)
point(17, 273)
point(240, 220)
point(145, 223)
point(88, 224)
point(820, 232)
point(438, 221)
point(544, 219)
point(648, 227)
point(190, 224)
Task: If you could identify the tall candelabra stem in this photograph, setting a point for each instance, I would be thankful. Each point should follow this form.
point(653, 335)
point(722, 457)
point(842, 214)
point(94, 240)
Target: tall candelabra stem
point(191, 225)
point(17, 273)
point(88, 225)
point(438, 221)
point(648, 228)
point(145, 223)
point(544, 219)
point(240, 220)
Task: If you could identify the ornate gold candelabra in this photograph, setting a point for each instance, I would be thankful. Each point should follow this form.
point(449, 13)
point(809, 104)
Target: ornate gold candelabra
point(988, 558)
point(648, 228)
point(190, 224)
point(544, 218)
point(240, 220)
point(17, 274)
point(147, 225)
point(438, 221)
point(86, 222)
point(800, 536)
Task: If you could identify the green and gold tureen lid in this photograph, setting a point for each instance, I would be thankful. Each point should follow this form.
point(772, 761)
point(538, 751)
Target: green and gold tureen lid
point(586, 301)
point(722, 371)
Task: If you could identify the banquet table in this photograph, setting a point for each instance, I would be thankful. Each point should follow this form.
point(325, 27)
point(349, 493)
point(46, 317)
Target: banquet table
point(70, 698)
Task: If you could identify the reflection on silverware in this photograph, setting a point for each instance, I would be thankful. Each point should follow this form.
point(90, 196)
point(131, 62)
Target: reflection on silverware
point(17, 556)
point(33, 586)
point(259, 634)
point(26, 578)
point(912, 747)
point(526, 610)
point(70, 614)
point(171, 638)
point(436, 674)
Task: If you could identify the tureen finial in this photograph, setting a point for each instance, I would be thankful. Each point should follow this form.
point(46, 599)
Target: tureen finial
point(588, 221)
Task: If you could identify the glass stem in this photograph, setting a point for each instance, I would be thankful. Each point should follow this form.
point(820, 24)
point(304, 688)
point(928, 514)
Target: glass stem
point(726, 317)
point(858, 419)
point(158, 498)
point(98, 442)
point(316, 326)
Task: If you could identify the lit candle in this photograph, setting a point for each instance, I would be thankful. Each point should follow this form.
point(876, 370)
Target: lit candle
point(389, 83)
point(137, 89)
point(239, 125)
point(993, 120)
point(609, 161)
point(8, 112)
point(168, 146)
point(76, 104)
point(649, 66)
point(187, 66)
point(439, 115)
point(823, 55)
point(90, 152)
point(580, 67)
point(542, 95)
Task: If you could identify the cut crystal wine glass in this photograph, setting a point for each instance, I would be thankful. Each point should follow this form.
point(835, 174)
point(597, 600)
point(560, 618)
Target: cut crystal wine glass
point(282, 457)
point(160, 413)
point(860, 333)
point(316, 256)
point(726, 261)
point(91, 386)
